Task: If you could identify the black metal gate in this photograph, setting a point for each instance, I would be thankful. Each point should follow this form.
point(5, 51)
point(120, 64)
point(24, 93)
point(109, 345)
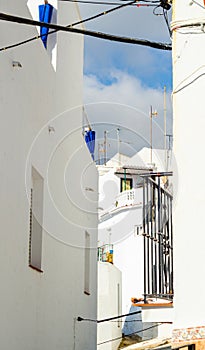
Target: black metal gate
point(158, 238)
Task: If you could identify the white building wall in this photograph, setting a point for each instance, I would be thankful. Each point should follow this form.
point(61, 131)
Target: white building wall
point(40, 308)
point(189, 144)
point(109, 305)
point(162, 315)
point(128, 257)
point(109, 188)
point(118, 229)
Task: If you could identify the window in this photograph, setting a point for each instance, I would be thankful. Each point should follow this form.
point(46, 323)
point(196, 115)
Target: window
point(118, 304)
point(158, 240)
point(125, 184)
point(87, 264)
point(138, 230)
point(36, 219)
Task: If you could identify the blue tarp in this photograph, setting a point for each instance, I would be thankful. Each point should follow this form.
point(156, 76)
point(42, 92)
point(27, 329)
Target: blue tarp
point(134, 326)
point(133, 323)
point(90, 141)
point(45, 15)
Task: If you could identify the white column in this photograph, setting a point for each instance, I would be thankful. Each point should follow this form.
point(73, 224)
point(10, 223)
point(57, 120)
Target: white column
point(189, 148)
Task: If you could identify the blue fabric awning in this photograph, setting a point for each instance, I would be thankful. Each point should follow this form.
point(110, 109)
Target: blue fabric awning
point(45, 15)
point(90, 141)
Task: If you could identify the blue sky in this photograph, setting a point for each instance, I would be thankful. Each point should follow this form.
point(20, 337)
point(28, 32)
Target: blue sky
point(151, 66)
point(131, 77)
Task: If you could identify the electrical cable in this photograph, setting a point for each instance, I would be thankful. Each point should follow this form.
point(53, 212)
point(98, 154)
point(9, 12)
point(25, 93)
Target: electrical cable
point(195, 2)
point(154, 11)
point(130, 334)
point(190, 23)
point(126, 321)
point(79, 319)
point(147, 3)
point(146, 329)
point(150, 1)
point(167, 22)
point(68, 26)
point(91, 2)
point(27, 21)
point(188, 84)
point(144, 5)
point(195, 33)
point(178, 88)
point(164, 322)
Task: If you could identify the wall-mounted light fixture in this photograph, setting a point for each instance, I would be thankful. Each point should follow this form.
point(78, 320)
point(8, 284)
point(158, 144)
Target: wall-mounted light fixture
point(16, 64)
point(89, 189)
point(51, 129)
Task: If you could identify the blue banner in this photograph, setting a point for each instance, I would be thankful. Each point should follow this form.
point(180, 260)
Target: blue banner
point(45, 15)
point(90, 141)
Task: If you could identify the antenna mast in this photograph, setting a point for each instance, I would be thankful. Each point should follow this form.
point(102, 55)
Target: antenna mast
point(105, 146)
point(165, 130)
point(118, 145)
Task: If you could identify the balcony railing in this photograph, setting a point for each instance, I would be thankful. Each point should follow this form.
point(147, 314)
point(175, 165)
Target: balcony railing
point(126, 198)
point(158, 240)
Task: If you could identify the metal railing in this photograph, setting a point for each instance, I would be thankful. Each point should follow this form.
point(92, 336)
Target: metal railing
point(125, 198)
point(158, 239)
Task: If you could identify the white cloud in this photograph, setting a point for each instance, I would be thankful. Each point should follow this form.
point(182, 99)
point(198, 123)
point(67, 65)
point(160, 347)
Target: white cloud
point(151, 65)
point(125, 89)
point(126, 103)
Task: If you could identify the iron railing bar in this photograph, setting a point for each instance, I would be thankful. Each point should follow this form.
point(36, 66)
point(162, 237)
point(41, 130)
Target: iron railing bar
point(148, 232)
point(144, 242)
point(152, 236)
point(163, 189)
point(172, 267)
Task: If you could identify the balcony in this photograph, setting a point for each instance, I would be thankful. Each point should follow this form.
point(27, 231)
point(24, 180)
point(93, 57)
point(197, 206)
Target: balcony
point(126, 198)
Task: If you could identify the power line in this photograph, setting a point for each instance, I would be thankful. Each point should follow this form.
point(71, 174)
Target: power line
point(104, 12)
point(80, 319)
point(188, 84)
point(150, 1)
point(145, 3)
point(130, 334)
point(167, 22)
point(27, 21)
point(156, 13)
point(126, 321)
point(91, 2)
point(68, 26)
point(195, 2)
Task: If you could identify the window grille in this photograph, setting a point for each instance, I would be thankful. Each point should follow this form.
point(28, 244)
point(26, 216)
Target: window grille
point(36, 221)
point(158, 240)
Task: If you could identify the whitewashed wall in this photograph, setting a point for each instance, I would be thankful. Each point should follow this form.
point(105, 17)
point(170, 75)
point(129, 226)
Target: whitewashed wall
point(128, 257)
point(109, 305)
point(40, 308)
point(118, 229)
point(189, 144)
point(159, 315)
